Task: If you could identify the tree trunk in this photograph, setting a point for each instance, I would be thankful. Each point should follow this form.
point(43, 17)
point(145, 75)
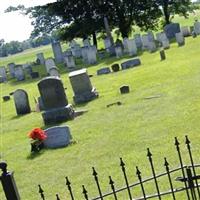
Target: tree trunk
point(166, 11)
point(94, 39)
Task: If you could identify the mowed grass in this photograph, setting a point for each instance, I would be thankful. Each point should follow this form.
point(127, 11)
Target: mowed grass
point(103, 135)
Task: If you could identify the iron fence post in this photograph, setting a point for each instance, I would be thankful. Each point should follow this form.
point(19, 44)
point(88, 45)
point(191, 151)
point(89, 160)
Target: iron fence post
point(8, 183)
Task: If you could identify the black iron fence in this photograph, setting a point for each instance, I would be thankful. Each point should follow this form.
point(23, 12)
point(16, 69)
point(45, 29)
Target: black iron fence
point(187, 176)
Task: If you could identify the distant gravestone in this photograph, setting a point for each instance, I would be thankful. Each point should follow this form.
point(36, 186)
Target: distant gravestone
point(69, 62)
point(131, 63)
point(57, 51)
point(118, 51)
point(131, 47)
point(151, 37)
point(19, 73)
point(180, 39)
point(3, 75)
point(124, 89)
point(49, 63)
point(138, 41)
point(145, 41)
point(28, 69)
point(40, 57)
point(55, 101)
point(82, 87)
point(171, 30)
point(164, 41)
point(107, 44)
point(58, 136)
point(11, 67)
point(197, 28)
point(54, 72)
point(152, 46)
point(91, 54)
point(162, 55)
point(21, 102)
point(105, 70)
point(185, 30)
point(86, 43)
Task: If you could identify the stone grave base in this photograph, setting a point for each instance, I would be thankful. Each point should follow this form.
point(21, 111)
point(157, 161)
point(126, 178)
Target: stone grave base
point(58, 115)
point(85, 97)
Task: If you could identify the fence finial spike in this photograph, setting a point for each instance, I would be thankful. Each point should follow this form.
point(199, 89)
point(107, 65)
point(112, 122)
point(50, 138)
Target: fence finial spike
point(111, 182)
point(149, 154)
point(122, 164)
point(94, 172)
point(176, 141)
point(3, 167)
point(138, 172)
point(67, 181)
point(166, 164)
point(187, 141)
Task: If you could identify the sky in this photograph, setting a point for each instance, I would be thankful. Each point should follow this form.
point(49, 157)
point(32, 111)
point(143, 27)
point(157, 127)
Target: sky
point(14, 26)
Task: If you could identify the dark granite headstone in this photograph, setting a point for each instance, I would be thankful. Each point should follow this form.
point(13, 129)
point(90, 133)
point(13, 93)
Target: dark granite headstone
point(34, 75)
point(162, 55)
point(131, 63)
point(171, 30)
point(124, 89)
point(21, 102)
point(54, 100)
point(6, 98)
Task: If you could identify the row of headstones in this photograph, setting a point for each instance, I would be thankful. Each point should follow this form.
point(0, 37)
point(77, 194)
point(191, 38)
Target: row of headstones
point(17, 71)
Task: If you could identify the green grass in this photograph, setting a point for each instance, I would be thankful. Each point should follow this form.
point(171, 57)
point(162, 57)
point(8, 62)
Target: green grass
point(104, 134)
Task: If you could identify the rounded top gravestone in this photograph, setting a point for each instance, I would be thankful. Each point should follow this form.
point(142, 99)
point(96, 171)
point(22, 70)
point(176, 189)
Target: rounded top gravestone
point(21, 102)
point(52, 93)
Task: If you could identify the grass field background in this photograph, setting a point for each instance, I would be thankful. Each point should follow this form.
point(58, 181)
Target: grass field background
point(103, 135)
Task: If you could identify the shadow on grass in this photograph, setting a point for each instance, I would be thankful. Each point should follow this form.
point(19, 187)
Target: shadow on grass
point(19, 116)
point(34, 155)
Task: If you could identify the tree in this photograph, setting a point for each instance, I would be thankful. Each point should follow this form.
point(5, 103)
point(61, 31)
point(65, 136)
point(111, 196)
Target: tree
point(172, 7)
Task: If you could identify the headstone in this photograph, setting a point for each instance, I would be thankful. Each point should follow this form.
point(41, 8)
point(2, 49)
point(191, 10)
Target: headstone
point(69, 62)
point(34, 75)
point(49, 63)
point(162, 55)
point(6, 98)
point(86, 43)
point(41, 104)
point(131, 63)
point(118, 51)
point(152, 46)
point(27, 68)
point(145, 41)
point(115, 67)
point(197, 27)
point(150, 36)
point(11, 67)
point(54, 72)
point(138, 41)
point(107, 44)
point(125, 44)
point(164, 41)
point(19, 73)
point(124, 89)
point(91, 54)
point(58, 136)
point(105, 70)
point(21, 102)
point(55, 101)
point(185, 30)
point(57, 51)
point(180, 39)
point(76, 51)
point(131, 47)
point(171, 30)
point(40, 58)
point(82, 87)
point(3, 74)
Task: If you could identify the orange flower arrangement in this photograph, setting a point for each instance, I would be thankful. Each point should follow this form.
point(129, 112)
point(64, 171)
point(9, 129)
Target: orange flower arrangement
point(37, 134)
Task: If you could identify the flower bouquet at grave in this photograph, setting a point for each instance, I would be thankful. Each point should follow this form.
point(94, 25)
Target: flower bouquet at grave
point(38, 136)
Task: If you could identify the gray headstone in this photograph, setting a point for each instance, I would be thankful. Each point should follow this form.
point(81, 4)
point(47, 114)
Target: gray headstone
point(21, 102)
point(54, 72)
point(57, 51)
point(131, 47)
point(105, 70)
point(150, 36)
point(19, 73)
point(197, 28)
point(180, 39)
point(107, 44)
point(185, 30)
point(152, 46)
point(138, 41)
point(3, 74)
point(118, 51)
point(49, 63)
point(82, 87)
point(86, 43)
point(11, 67)
point(131, 63)
point(40, 57)
point(125, 44)
point(171, 30)
point(145, 41)
point(92, 55)
point(69, 62)
point(58, 136)
point(55, 101)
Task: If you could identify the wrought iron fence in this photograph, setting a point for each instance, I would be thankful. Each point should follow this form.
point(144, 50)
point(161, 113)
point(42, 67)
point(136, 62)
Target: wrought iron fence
point(188, 179)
